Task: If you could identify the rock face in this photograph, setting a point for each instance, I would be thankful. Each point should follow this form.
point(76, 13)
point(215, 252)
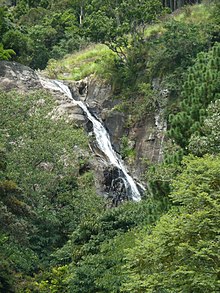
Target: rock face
point(100, 101)
point(16, 76)
point(148, 137)
point(71, 111)
point(145, 138)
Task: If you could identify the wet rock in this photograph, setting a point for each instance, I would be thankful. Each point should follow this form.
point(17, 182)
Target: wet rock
point(149, 137)
point(95, 93)
point(145, 137)
point(84, 168)
point(115, 185)
point(100, 101)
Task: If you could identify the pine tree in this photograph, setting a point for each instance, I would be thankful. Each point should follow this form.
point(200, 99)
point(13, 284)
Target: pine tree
point(199, 90)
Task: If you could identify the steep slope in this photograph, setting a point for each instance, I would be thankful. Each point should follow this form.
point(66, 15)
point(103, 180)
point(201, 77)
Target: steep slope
point(56, 233)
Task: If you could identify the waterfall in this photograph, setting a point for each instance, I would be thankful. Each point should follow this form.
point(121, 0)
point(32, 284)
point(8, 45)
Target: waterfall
point(102, 138)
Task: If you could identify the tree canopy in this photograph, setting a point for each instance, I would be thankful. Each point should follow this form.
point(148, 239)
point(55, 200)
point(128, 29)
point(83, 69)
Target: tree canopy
point(57, 234)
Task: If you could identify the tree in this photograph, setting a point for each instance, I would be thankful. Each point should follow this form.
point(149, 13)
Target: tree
point(3, 22)
point(175, 4)
point(181, 253)
point(6, 272)
point(98, 245)
point(19, 43)
point(209, 140)
point(199, 90)
point(38, 149)
point(120, 22)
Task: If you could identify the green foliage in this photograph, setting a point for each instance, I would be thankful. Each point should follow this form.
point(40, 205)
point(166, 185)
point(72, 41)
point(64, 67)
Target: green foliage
point(198, 184)
point(53, 281)
point(98, 245)
point(74, 23)
point(146, 101)
point(215, 12)
point(40, 57)
point(6, 54)
point(159, 178)
point(181, 252)
point(19, 43)
point(2, 159)
point(4, 23)
point(177, 46)
point(111, 23)
point(209, 140)
point(164, 49)
point(102, 272)
point(20, 9)
point(43, 197)
point(120, 25)
point(93, 60)
point(126, 150)
point(32, 16)
point(200, 88)
point(6, 273)
point(41, 174)
point(39, 26)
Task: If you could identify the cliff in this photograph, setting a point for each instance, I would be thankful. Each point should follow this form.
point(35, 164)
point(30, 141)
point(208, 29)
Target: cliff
point(145, 138)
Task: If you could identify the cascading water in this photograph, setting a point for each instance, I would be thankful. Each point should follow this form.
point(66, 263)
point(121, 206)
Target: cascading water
point(103, 140)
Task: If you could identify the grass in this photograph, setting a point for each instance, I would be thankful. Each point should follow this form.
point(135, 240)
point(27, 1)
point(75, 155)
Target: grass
point(154, 29)
point(188, 14)
point(194, 14)
point(92, 60)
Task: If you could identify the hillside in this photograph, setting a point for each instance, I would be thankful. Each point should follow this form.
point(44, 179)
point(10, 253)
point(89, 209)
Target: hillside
point(149, 72)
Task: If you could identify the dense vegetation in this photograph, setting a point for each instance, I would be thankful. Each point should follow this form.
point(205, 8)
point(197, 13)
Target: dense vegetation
point(36, 31)
point(56, 234)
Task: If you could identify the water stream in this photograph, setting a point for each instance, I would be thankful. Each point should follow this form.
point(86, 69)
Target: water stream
point(103, 140)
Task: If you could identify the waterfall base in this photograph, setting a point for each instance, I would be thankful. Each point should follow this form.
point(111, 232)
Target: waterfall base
point(115, 185)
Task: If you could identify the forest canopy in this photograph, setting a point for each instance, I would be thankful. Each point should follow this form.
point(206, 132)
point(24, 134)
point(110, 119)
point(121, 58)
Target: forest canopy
point(56, 233)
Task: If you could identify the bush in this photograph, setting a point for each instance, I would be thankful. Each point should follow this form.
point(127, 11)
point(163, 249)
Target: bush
point(19, 43)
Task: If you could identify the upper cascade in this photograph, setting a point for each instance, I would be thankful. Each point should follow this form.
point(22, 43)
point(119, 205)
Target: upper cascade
point(102, 138)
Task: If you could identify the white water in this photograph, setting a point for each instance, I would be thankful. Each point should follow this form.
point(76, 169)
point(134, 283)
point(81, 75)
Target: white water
point(102, 138)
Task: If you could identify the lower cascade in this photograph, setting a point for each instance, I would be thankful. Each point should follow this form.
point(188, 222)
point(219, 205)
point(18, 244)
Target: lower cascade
point(122, 184)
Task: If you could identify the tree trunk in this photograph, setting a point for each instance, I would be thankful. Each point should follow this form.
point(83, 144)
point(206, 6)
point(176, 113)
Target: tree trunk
point(172, 5)
point(81, 15)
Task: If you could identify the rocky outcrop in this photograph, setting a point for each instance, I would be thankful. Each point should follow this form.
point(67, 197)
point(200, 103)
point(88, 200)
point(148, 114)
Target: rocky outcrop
point(71, 111)
point(16, 76)
point(148, 138)
point(145, 138)
point(99, 99)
